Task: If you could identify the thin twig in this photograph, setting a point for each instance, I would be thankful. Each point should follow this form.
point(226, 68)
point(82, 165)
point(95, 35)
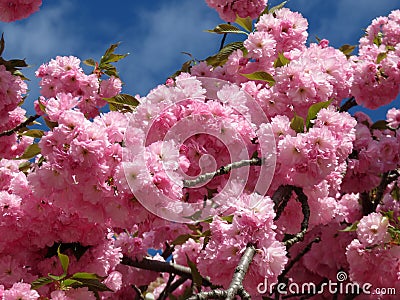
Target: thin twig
point(290, 265)
point(22, 125)
point(222, 171)
point(175, 285)
point(164, 293)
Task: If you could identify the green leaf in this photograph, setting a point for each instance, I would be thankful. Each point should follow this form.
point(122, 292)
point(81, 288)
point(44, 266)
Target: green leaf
point(84, 275)
point(226, 28)
point(13, 65)
point(36, 133)
point(71, 283)
point(381, 56)
point(64, 260)
point(390, 48)
point(24, 166)
point(122, 103)
point(185, 68)
point(20, 75)
point(389, 214)
point(31, 152)
point(197, 279)
point(297, 124)
point(260, 75)
point(40, 282)
point(17, 63)
point(352, 227)
point(57, 278)
point(115, 57)
point(108, 53)
point(94, 285)
point(246, 23)
point(378, 39)
point(314, 110)
point(347, 49)
point(109, 69)
point(228, 219)
point(181, 239)
point(281, 61)
point(90, 62)
point(50, 124)
point(381, 125)
point(123, 99)
point(41, 106)
point(275, 8)
point(221, 57)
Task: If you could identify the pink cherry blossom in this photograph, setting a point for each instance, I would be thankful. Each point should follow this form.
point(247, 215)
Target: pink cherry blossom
point(372, 229)
point(22, 291)
point(18, 9)
point(229, 10)
point(393, 117)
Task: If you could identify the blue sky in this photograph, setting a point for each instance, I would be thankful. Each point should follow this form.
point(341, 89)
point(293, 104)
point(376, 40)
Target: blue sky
point(156, 32)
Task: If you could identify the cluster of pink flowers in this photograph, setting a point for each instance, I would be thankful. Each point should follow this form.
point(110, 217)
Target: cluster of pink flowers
point(184, 133)
point(65, 75)
point(252, 223)
point(312, 74)
point(12, 10)
point(370, 256)
point(375, 152)
point(12, 91)
point(276, 33)
point(229, 10)
point(376, 68)
point(308, 158)
point(105, 187)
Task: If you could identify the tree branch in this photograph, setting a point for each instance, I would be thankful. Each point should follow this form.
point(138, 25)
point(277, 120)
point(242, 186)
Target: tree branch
point(22, 125)
point(161, 266)
point(370, 200)
point(222, 171)
point(281, 198)
point(348, 104)
point(236, 286)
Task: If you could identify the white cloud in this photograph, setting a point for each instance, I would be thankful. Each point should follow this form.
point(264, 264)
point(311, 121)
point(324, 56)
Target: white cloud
point(41, 35)
point(158, 38)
